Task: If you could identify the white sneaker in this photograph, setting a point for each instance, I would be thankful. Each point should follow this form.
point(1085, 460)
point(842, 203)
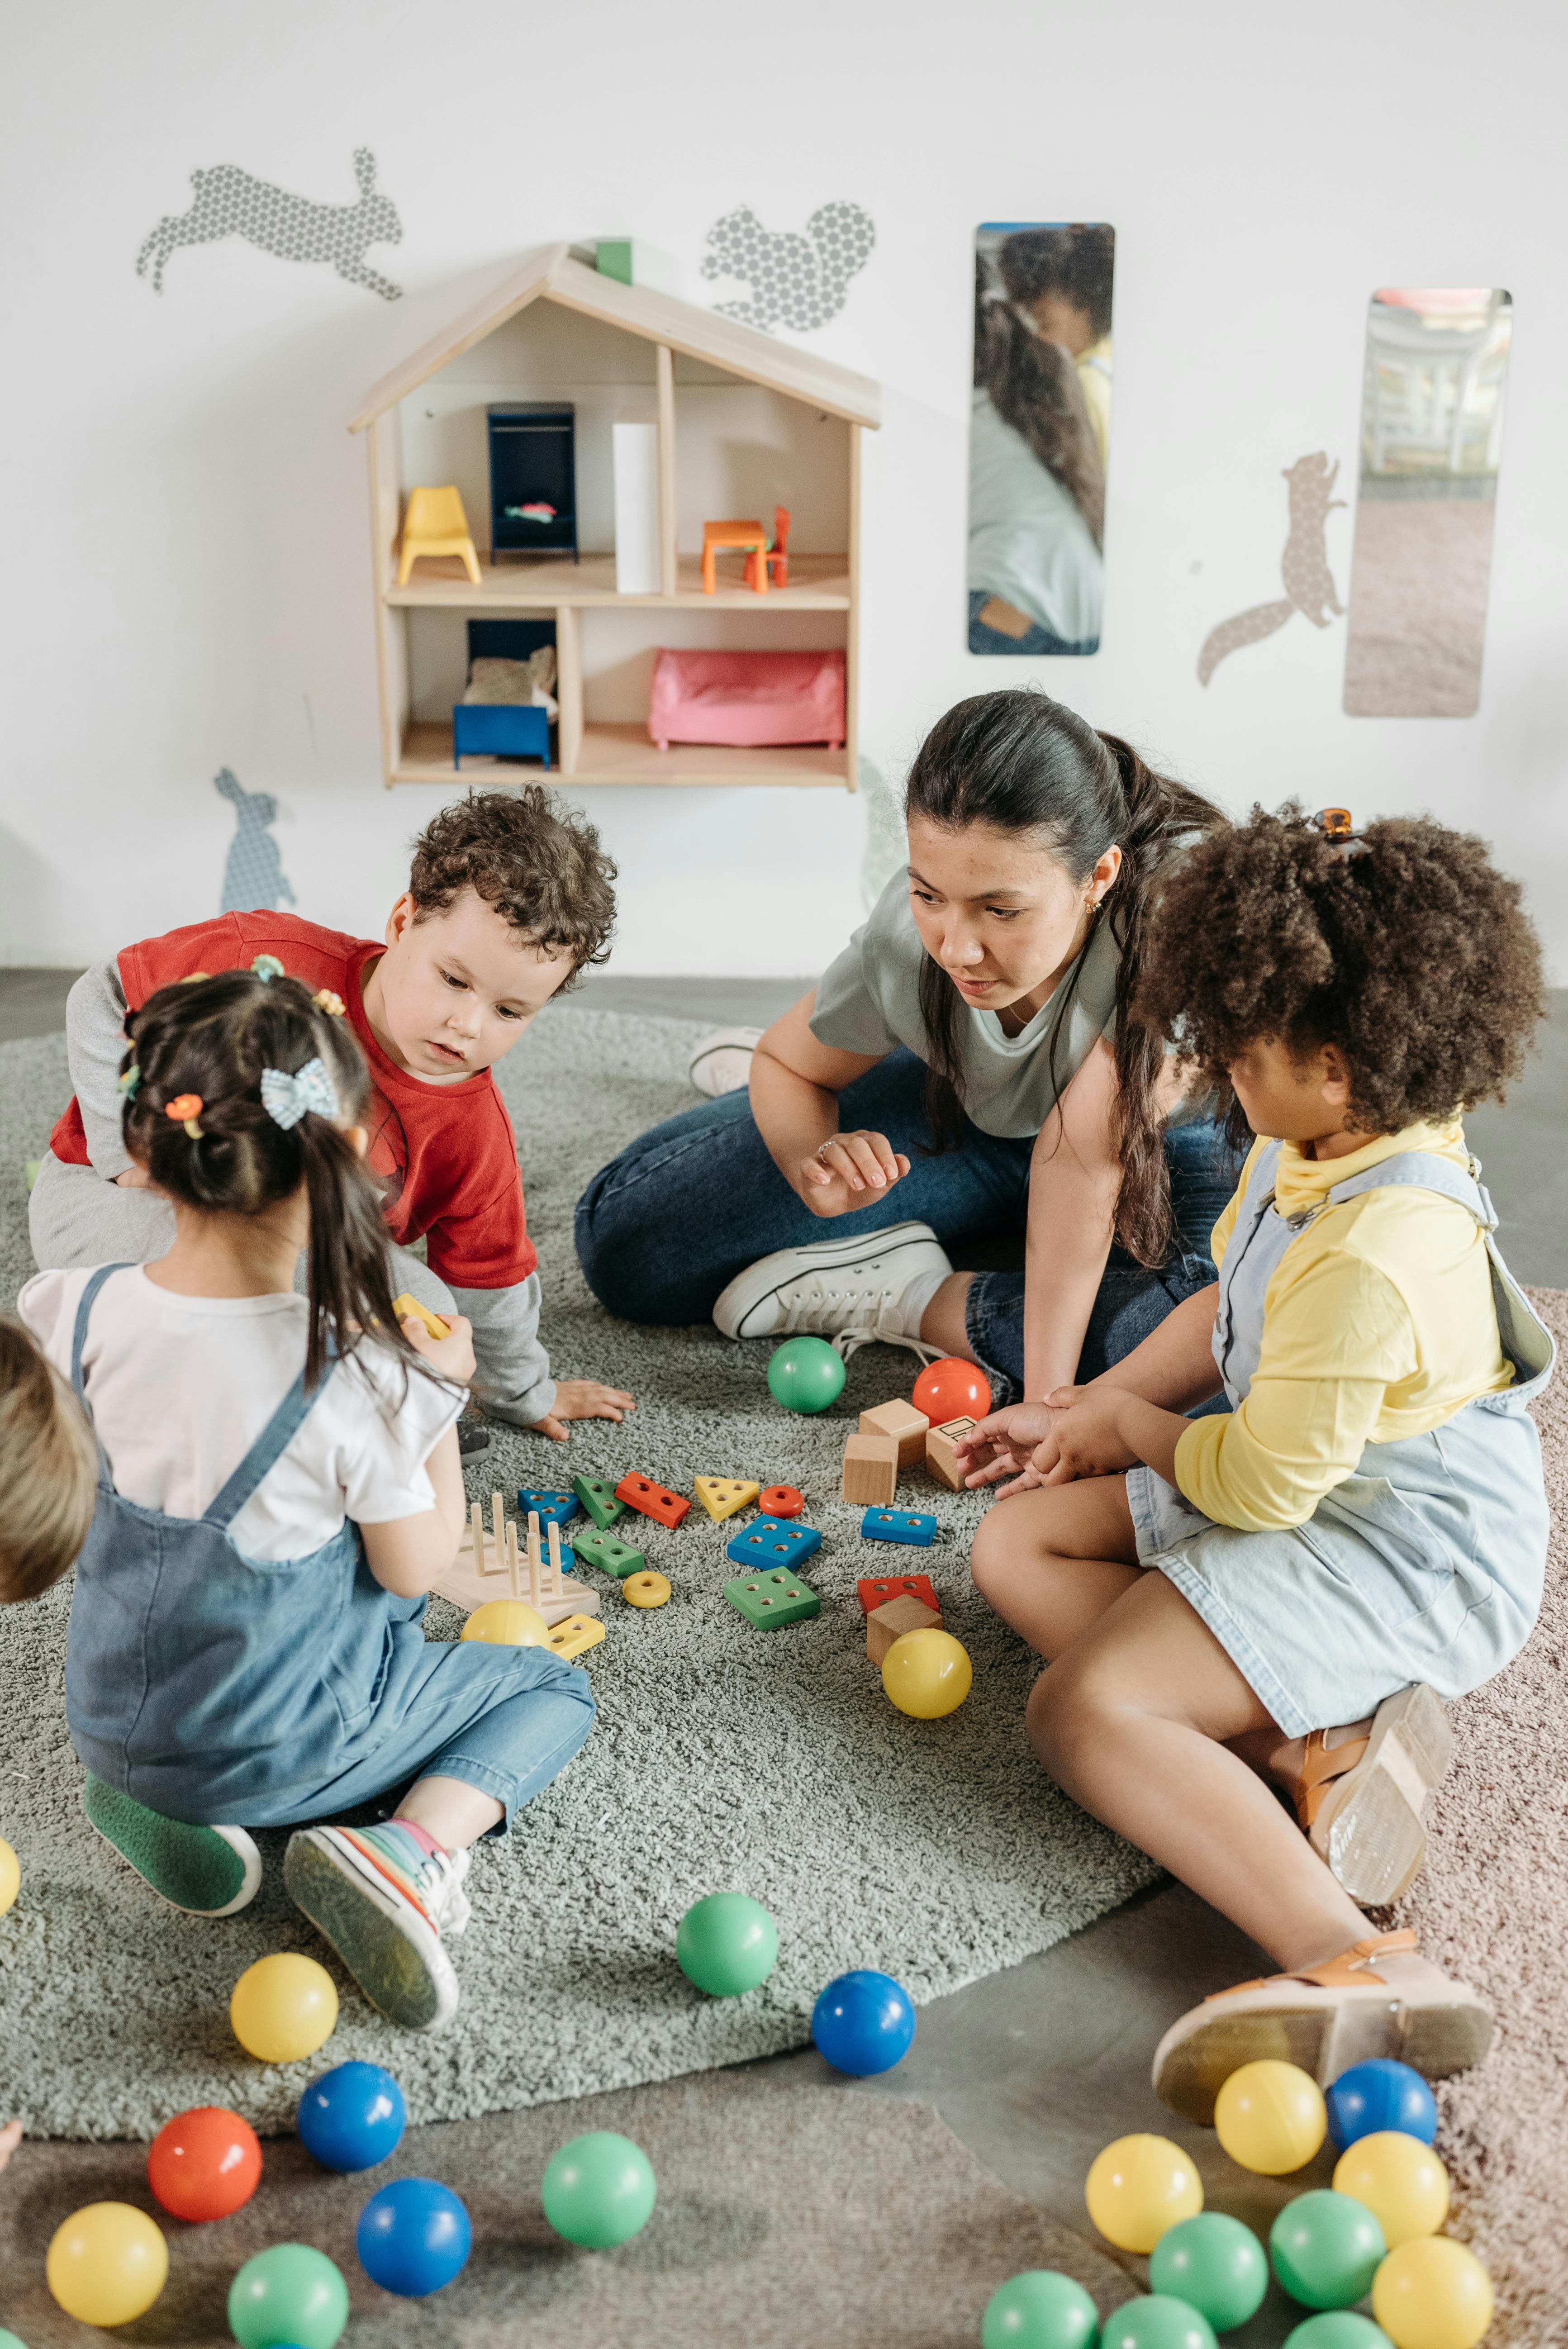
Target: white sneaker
point(850, 1291)
point(721, 1064)
point(385, 1920)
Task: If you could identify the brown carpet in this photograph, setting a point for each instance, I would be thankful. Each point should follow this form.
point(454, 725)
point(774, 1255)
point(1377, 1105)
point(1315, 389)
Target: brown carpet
point(1492, 1905)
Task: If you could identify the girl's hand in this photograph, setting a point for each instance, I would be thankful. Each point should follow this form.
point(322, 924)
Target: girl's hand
point(583, 1399)
point(1089, 1438)
point(1000, 1445)
point(452, 1355)
point(10, 2138)
point(135, 1178)
point(849, 1171)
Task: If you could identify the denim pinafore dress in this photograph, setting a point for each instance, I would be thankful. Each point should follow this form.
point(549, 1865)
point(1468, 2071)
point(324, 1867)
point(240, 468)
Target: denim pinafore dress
point(210, 1685)
point(1428, 1564)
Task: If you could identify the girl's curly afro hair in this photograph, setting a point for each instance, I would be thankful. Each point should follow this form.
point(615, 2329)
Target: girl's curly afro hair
point(1410, 953)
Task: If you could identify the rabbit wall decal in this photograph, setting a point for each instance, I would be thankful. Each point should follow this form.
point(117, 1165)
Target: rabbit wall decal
point(230, 202)
point(253, 875)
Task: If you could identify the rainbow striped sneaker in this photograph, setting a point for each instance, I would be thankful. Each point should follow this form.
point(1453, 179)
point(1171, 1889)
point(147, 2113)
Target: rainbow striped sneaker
point(384, 1901)
point(206, 1871)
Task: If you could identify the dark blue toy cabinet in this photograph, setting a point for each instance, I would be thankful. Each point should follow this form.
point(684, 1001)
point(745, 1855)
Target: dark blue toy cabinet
point(533, 462)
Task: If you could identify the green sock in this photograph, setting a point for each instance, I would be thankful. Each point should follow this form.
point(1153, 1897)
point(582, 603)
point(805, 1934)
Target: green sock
point(201, 1869)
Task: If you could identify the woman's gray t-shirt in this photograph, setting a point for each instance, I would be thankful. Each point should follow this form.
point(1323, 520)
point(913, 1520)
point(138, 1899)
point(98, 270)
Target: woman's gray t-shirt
point(868, 1000)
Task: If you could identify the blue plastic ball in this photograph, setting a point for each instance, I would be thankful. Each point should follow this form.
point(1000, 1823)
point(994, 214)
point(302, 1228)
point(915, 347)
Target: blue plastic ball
point(863, 2022)
point(352, 2118)
point(1380, 2095)
point(413, 2237)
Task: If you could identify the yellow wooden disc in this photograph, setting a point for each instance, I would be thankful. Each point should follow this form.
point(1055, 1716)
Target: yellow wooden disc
point(647, 1589)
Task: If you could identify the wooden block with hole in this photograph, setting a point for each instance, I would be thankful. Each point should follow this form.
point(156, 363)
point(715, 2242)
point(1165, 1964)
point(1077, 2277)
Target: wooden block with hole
point(871, 1470)
point(651, 1500)
point(724, 1496)
point(906, 1426)
point(941, 1456)
point(875, 1590)
point(889, 1622)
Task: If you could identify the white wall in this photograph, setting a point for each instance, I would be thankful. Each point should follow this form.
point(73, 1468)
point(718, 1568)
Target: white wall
point(185, 568)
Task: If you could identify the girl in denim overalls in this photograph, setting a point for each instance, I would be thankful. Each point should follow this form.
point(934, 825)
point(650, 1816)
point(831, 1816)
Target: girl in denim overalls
point(277, 1492)
point(1278, 1591)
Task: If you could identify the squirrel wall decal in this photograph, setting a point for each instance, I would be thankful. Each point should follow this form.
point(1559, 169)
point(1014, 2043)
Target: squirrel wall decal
point(1307, 579)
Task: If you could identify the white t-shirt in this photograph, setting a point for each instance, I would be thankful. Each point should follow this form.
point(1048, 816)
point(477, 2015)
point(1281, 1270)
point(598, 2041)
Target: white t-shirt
point(181, 1387)
point(1029, 543)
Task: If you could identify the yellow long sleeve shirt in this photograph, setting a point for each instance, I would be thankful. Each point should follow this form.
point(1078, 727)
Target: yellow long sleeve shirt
point(1378, 1323)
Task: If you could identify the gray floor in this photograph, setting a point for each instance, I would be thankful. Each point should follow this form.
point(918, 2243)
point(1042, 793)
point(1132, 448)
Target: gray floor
point(1036, 2068)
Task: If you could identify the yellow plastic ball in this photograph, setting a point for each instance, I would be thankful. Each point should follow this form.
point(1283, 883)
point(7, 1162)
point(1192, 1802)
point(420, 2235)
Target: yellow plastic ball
point(1400, 2181)
point(283, 2008)
point(10, 1875)
point(107, 2263)
point(1432, 2295)
point(1140, 2185)
point(648, 1590)
point(1271, 2117)
point(507, 1623)
point(927, 1673)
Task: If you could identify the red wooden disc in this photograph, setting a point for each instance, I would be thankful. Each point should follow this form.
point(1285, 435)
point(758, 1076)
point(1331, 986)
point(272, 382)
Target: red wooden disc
point(781, 1501)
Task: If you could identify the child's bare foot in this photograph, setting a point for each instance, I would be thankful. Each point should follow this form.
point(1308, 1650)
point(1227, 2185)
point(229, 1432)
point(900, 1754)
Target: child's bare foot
point(10, 2138)
point(1380, 1997)
point(1359, 1792)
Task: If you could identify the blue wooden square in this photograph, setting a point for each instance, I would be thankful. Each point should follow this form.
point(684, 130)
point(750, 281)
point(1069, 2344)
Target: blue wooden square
point(769, 1541)
point(898, 1525)
point(554, 1509)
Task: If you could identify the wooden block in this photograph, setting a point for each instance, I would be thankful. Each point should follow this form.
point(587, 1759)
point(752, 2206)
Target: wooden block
point(906, 1425)
point(876, 1590)
point(550, 1507)
point(606, 1551)
point(597, 1495)
point(939, 1457)
point(409, 1309)
point(574, 1633)
point(771, 1597)
point(765, 1542)
point(724, 1496)
point(910, 1526)
point(871, 1470)
point(656, 1500)
point(889, 1622)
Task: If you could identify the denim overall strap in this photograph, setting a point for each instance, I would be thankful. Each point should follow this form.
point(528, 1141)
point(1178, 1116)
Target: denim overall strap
point(1255, 1202)
point(272, 1442)
point(79, 1336)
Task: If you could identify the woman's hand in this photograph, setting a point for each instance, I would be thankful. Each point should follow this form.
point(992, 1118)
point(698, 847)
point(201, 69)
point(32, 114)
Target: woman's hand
point(583, 1399)
point(1090, 1435)
point(848, 1171)
point(135, 1178)
point(452, 1355)
point(1001, 1447)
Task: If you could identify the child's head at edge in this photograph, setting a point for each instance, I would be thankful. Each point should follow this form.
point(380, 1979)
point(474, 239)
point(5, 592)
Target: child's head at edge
point(510, 896)
point(1344, 987)
point(244, 1097)
point(48, 1469)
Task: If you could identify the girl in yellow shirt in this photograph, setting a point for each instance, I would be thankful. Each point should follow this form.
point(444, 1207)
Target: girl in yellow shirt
point(1281, 1594)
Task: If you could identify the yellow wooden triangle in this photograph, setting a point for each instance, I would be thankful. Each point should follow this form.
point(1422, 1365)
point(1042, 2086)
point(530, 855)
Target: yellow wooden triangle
point(721, 1497)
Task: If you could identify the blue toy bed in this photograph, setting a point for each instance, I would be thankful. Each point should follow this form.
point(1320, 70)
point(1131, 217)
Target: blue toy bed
point(502, 729)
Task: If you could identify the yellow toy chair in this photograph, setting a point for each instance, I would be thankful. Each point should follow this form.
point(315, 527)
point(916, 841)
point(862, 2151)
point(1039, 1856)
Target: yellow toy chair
point(436, 523)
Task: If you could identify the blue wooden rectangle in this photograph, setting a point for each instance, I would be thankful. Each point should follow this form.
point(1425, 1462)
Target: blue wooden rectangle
point(556, 1506)
point(771, 1541)
point(917, 1532)
point(499, 730)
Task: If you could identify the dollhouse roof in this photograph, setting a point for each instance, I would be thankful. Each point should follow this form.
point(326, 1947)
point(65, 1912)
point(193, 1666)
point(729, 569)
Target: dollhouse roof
point(550, 274)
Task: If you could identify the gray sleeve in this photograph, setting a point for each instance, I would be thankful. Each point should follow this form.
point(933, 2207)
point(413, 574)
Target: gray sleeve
point(95, 1046)
point(846, 1014)
point(513, 1376)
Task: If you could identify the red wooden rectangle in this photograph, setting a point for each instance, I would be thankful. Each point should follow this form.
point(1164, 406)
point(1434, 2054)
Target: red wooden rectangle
point(879, 1588)
point(656, 1500)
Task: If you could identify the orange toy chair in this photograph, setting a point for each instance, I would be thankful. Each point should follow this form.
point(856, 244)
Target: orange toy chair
point(778, 558)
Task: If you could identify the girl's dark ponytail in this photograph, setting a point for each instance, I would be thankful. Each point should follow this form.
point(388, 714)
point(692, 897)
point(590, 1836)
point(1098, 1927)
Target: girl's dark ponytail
point(1020, 763)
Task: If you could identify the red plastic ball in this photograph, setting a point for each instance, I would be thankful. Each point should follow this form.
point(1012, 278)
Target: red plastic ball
point(781, 1501)
point(205, 2163)
point(952, 1390)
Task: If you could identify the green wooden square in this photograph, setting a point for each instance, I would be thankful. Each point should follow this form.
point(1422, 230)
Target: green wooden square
point(597, 1495)
point(769, 1599)
point(604, 1551)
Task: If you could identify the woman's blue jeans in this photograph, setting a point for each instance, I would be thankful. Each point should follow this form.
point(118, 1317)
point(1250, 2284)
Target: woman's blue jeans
point(669, 1222)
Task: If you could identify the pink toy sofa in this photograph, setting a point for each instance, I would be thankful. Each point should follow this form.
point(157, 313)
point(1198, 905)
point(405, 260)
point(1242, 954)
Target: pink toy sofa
point(746, 699)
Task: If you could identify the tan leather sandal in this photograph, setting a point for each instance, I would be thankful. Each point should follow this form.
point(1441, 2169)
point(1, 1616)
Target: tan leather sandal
point(1361, 1802)
point(1380, 1997)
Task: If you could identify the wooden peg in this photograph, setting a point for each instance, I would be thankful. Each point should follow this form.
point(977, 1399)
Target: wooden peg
point(513, 1561)
point(554, 1532)
point(477, 1522)
point(498, 1523)
point(535, 1593)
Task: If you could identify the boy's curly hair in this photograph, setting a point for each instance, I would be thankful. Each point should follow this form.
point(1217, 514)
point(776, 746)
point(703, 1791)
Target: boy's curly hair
point(48, 1469)
point(536, 864)
point(1411, 954)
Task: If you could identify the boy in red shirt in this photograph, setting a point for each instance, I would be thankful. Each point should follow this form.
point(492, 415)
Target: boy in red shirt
point(508, 899)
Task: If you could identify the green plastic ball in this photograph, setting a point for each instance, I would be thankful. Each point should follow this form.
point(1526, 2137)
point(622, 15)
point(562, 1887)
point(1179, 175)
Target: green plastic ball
point(1158, 2323)
point(1039, 2309)
point(1339, 2328)
point(290, 2293)
point(599, 2189)
point(1214, 2263)
point(1326, 2249)
point(726, 1945)
point(10, 2341)
point(805, 1374)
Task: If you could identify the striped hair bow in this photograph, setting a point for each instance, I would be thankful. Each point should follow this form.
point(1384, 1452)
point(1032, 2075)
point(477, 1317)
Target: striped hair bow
point(286, 1099)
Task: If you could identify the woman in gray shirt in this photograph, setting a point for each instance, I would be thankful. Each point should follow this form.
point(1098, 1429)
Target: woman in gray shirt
point(972, 1064)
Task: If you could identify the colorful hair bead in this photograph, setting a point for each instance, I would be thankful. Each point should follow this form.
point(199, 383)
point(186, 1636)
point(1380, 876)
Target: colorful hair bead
point(185, 1109)
point(128, 1081)
point(325, 1000)
point(267, 967)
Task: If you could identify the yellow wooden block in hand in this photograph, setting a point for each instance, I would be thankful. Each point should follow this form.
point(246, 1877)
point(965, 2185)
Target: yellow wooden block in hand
point(409, 1309)
point(575, 1633)
point(722, 1496)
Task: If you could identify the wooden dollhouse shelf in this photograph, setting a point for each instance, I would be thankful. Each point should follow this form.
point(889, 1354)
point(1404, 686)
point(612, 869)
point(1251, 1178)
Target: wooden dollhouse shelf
point(624, 754)
point(818, 583)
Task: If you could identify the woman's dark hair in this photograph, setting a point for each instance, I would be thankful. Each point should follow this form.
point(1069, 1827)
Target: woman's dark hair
point(1403, 945)
point(1034, 387)
point(1078, 264)
point(209, 1040)
point(1020, 763)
